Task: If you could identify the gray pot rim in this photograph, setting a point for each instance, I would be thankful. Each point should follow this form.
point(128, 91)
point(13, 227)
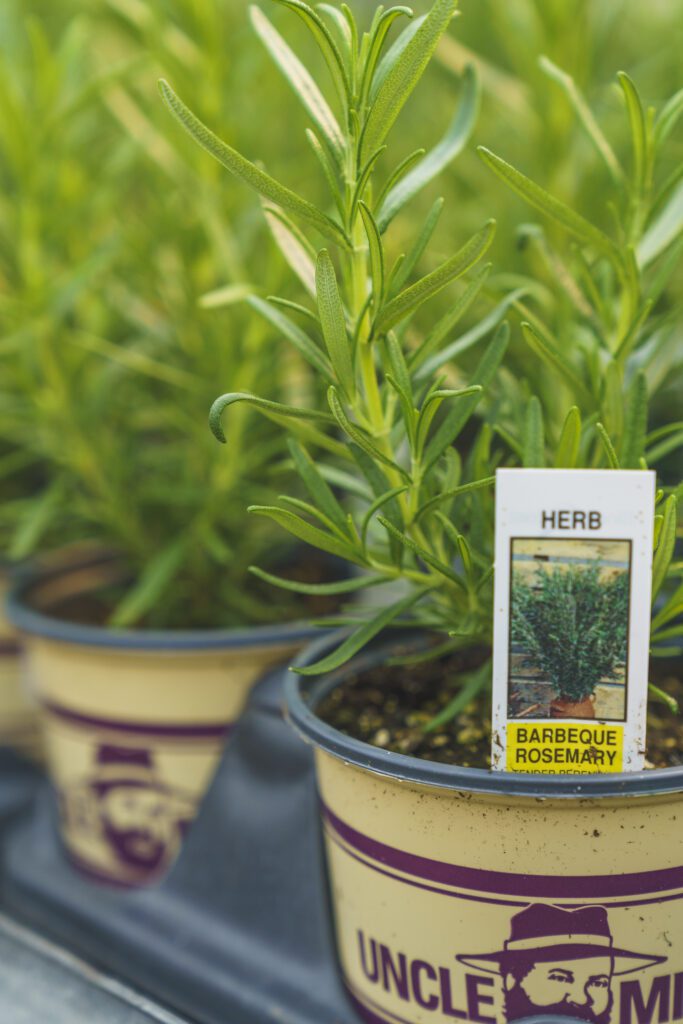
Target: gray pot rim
point(32, 622)
point(304, 693)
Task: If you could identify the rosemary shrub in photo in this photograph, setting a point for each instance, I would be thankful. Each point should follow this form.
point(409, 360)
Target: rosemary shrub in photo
point(572, 626)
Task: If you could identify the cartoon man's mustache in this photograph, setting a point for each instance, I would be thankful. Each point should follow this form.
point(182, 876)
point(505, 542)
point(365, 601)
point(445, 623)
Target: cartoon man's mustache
point(518, 1005)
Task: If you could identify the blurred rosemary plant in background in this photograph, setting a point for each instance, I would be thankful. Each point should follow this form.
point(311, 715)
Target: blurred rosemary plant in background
point(109, 236)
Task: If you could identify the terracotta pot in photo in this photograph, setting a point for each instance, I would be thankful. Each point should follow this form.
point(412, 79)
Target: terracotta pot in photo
point(134, 721)
point(463, 894)
point(561, 708)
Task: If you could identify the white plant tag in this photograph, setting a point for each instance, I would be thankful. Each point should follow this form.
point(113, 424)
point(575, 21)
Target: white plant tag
point(572, 619)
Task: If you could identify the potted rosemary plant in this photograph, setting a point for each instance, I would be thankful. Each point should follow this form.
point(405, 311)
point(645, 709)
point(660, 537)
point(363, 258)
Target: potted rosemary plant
point(458, 892)
point(142, 657)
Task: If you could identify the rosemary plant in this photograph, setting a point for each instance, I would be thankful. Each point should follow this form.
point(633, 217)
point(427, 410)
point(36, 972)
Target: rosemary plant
point(538, 102)
point(407, 449)
point(392, 417)
point(108, 361)
point(616, 348)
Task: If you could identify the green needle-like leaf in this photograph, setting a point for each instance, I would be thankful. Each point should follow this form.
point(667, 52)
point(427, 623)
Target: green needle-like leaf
point(473, 684)
point(445, 325)
point(450, 146)
point(409, 300)
point(558, 211)
point(613, 399)
point(664, 698)
point(610, 450)
point(534, 435)
point(317, 538)
point(362, 635)
point(348, 586)
point(247, 171)
point(410, 260)
point(456, 492)
point(382, 22)
point(636, 117)
point(449, 353)
point(668, 117)
point(392, 55)
point(567, 452)
point(426, 556)
point(663, 231)
point(667, 544)
point(326, 44)
point(551, 353)
point(458, 416)
point(376, 254)
point(672, 608)
point(293, 245)
point(404, 75)
point(377, 504)
point(156, 577)
point(431, 406)
point(302, 83)
point(635, 425)
point(360, 437)
point(293, 333)
point(264, 405)
point(317, 486)
point(397, 174)
point(585, 115)
point(333, 322)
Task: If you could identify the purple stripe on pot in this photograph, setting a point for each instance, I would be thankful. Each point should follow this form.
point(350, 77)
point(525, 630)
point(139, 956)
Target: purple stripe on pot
point(420, 885)
point(459, 895)
point(198, 731)
point(9, 649)
point(504, 883)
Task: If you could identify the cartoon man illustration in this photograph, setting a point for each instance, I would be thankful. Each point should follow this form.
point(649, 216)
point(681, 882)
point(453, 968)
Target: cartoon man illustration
point(141, 820)
point(560, 961)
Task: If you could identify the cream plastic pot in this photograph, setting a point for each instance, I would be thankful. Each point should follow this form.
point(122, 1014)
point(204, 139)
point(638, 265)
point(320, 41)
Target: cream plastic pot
point(19, 726)
point(463, 894)
point(134, 721)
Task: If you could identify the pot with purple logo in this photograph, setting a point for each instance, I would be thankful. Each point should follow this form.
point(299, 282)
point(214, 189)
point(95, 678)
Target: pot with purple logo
point(461, 894)
point(18, 712)
point(134, 721)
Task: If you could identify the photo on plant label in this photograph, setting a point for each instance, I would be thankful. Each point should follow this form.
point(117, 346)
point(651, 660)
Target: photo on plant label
point(569, 627)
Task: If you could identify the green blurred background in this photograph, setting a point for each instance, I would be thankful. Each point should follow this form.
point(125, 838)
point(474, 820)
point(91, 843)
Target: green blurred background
point(113, 226)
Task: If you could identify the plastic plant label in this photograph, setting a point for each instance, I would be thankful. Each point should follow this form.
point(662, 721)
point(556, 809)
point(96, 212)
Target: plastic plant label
point(572, 619)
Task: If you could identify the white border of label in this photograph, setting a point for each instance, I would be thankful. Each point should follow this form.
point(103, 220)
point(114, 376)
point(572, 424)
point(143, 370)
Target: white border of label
point(625, 501)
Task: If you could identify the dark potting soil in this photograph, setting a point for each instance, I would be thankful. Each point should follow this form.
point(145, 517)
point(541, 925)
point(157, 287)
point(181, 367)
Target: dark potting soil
point(664, 728)
point(94, 605)
point(389, 707)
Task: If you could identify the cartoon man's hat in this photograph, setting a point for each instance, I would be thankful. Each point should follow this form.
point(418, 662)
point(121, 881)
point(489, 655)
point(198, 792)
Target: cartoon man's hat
point(552, 934)
point(108, 754)
point(114, 764)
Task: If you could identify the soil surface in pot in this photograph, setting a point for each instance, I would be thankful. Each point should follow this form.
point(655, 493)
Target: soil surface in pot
point(89, 595)
point(389, 706)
